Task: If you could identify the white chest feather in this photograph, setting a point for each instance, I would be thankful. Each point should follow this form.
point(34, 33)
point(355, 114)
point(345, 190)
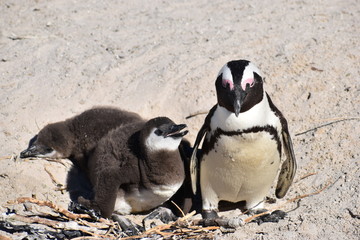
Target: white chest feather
point(139, 200)
point(241, 167)
point(244, 154)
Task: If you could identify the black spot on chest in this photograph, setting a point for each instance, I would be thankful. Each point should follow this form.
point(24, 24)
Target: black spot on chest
point(212, 142)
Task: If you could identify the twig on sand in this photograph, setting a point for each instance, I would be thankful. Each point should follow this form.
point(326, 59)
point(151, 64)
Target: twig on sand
point(6, 157)
point(182, 213)
point(12, 157)
point(22, 37)
point(60, 189)
point(59, 186)
point(308, 175)
point(182, 228)
point(90, 230)
point(186, 217)
point(18, 37)
point(196, 114)
point(53, 179)
point(51, 205)
point(353, 215)
point(40, 220)
point(96, 237)
point(327, 124)
point(37, 125)
point(66, 221)
point(49, 160)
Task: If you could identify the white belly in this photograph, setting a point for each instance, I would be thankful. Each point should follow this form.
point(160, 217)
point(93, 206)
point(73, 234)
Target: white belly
point(243, 167)
point(140, 200)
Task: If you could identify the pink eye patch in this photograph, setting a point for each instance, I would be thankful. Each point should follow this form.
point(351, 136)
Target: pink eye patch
point(226, 82)
point(249, 81)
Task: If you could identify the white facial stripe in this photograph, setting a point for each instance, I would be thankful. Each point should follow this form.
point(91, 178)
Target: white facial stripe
point(226, 76)
point(52, 154)
point(248, 75)
point(247, 78)
point(249, 69)
point(155, 142)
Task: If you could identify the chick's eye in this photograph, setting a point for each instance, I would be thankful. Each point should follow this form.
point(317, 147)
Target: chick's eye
point(48, 149)
point(158, 132)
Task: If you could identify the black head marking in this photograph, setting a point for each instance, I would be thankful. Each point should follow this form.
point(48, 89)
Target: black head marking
point(254, 95)
point(36, 148)
point(239, 86)
point(160, 124)
point(164, 127)
point(52, 137)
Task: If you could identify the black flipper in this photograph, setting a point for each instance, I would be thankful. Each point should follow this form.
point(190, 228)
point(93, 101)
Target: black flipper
point(76, 207)
point(289, 166)
point(162, 214)
point(194, 161)
point(130, 228)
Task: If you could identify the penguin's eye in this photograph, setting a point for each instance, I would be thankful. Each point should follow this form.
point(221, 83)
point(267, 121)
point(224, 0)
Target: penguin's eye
point(49, 149)
point(248, 82)
point(158, 132)
point(226, 82)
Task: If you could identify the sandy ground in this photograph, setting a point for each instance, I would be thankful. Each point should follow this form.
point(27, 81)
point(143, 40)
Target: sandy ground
point(58, 58)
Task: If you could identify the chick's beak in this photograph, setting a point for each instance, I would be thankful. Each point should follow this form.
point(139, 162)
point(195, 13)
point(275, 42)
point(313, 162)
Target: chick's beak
point(175, 131)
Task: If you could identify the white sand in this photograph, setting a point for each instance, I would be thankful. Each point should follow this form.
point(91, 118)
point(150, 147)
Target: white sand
point(60, 57)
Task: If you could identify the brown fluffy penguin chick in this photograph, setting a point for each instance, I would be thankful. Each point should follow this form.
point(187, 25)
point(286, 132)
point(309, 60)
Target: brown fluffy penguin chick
point(75, 137)
point(136, 167)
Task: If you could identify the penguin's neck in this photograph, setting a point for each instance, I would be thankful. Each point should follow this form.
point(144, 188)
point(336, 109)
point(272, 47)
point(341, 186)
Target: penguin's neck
point(259, 115)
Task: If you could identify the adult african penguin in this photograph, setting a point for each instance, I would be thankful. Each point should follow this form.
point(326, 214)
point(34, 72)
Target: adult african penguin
point(245, 135)
point(74, 138)
point(136, 167)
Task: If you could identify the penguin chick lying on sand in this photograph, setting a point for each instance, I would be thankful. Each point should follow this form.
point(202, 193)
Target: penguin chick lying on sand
point(75, 137)
point(136, 167)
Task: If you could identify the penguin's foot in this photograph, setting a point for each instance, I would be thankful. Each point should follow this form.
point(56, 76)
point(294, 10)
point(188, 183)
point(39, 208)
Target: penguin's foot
point(127, 226)
point(274, 217)
point(222, 222)
point(256, 211)
point(76, 207)
point(209, 214)
point(159, 216)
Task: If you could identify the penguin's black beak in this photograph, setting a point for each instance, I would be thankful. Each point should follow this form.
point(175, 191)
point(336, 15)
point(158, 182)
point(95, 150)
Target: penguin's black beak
point(174, 131)
point(238, 100)
point(237, 107)
point(35, 151)
point(30, 152)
